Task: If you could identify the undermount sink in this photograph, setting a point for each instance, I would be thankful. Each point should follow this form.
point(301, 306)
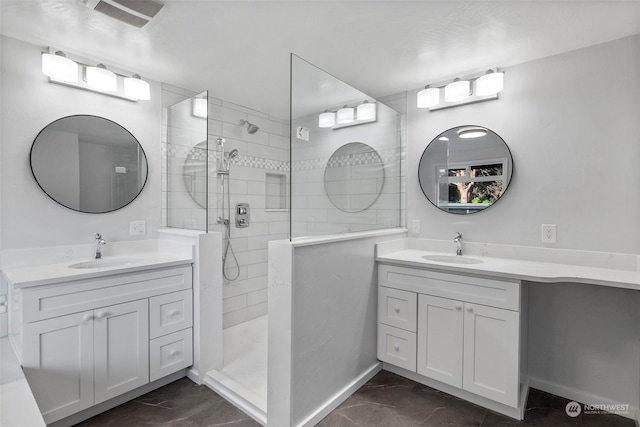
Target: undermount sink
point(102, 263)
point(453, 259)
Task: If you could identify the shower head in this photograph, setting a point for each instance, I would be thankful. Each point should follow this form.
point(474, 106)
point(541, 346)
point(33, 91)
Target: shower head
point(233, 153)
point(251, 128)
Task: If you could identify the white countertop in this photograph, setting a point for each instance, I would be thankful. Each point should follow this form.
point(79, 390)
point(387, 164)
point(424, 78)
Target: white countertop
point(45, 274)
point(18, 408)
point(606, 269)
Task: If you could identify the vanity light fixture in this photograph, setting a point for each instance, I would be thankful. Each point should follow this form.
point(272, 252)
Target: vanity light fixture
point(137, 88)
point(100, 78)
point(468, 133)
point(58, 66)
point(462, 91)
point(327, 119)
point(365, 112)
point(428, 97)
point(63, 70)
point(345, 115)
point(457, 90)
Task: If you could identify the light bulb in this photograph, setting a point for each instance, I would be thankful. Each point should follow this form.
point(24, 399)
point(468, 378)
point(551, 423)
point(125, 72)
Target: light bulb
point(428, 97)
point(457, 90)
point(100, 78)
point(59, 67)
point(135, 87)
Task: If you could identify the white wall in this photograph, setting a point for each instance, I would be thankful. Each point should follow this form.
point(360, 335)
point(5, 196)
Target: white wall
point(29, 217)
point(571, 122)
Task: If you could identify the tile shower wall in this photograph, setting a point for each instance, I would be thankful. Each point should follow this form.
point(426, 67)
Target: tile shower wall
point(256, 178)
point(259, 177)
point(313, 212)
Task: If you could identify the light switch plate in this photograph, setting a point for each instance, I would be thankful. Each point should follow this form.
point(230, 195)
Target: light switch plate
point(549, 233)
point(415, 226)
point(137, 228)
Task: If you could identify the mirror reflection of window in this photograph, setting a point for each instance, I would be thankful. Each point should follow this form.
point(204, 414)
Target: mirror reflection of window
point(465, 175)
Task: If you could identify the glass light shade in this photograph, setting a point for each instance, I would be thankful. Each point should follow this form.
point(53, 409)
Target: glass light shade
point(345, 115)
point(59, 67)
point(457, 90)
point(137, 88)
point(102, 79)
point(200, 107)
point(428, 97)
point(490, 84)
point(327, 119)
point(471, 133)
point(366, 111)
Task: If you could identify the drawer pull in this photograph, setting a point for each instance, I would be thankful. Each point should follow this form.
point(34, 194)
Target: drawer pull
point(174, 313)
point(174, 353)
point(396, 309)
point(458, 307)
point(396, 347)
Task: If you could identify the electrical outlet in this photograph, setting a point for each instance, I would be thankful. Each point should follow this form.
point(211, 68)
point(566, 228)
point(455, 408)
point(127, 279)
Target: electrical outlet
point(415, 226)
point(137, 228)
point(548, 233)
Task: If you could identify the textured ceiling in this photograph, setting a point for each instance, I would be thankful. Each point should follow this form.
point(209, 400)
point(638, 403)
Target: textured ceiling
point(239, 50)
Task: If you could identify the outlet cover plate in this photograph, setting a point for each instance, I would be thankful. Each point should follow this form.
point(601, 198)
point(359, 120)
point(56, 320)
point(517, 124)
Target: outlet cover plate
point(137, 228)
point(549, 233)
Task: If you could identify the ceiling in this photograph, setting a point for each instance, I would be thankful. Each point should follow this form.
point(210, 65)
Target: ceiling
point(239, 50)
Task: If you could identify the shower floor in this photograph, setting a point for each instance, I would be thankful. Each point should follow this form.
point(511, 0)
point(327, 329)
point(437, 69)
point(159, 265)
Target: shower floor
point(245, 366)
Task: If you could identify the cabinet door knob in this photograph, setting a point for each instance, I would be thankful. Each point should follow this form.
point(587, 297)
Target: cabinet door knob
point(102, 314)
point(174, 313)
point(458, 307)
point(174, 353)
point(396, 347)
point(396, 309)
point(470, 309)
point(87, 317)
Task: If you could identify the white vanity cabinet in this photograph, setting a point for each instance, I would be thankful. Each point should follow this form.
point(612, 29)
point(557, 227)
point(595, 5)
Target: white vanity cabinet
point(84, 342)
point(458, 330)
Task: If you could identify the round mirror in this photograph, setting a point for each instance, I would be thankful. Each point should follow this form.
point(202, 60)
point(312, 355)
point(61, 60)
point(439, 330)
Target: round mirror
point(354, 177)
point(195, 173)
point(88, 164)
point(465, 169)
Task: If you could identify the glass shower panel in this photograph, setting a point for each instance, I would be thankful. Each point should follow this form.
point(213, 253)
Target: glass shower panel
point(187, 164)
point(345, 157)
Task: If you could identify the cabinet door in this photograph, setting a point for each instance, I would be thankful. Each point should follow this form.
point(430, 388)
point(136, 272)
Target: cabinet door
point(440, 327)
point(491, 353)
point(58, 363)
point(121, 348)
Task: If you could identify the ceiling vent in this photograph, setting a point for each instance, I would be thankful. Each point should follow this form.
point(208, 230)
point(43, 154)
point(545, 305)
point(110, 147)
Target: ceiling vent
point(132, 12)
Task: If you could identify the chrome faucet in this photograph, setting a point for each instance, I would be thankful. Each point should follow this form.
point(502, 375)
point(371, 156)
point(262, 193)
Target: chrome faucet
point(99, 242)
point(458, 241)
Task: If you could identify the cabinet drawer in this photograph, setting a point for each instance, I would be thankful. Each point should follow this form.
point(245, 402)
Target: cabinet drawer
point(397, 308)
point(170, 353)
point(397, 346)
point(170, 313)
point(50, 301)
point(480, 290)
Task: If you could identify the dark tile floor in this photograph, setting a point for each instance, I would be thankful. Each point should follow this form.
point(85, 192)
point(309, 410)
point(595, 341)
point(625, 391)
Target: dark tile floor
point(386, 400)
